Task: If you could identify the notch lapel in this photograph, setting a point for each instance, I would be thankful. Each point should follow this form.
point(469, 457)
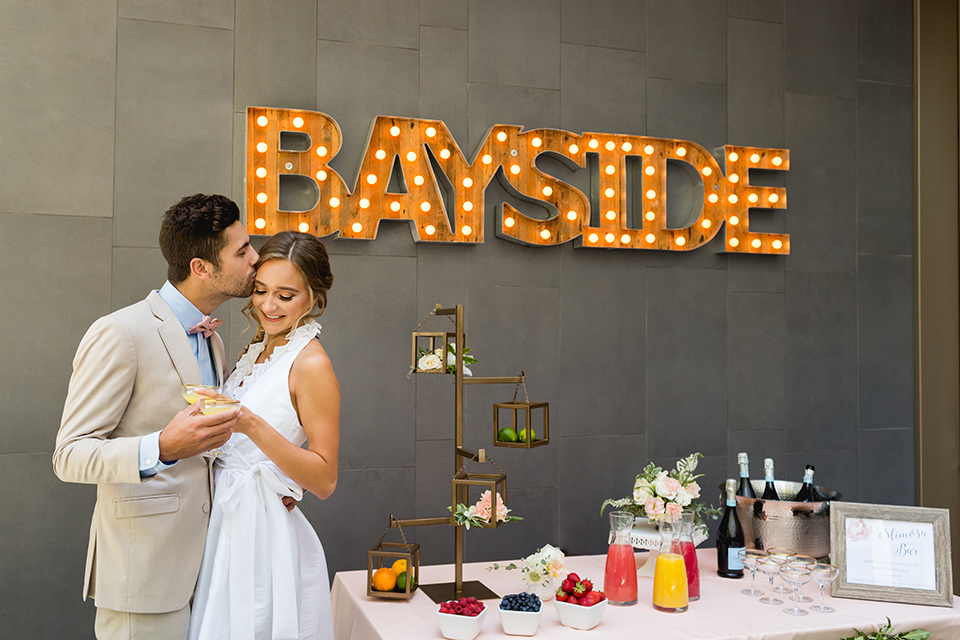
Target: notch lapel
point(175, 340)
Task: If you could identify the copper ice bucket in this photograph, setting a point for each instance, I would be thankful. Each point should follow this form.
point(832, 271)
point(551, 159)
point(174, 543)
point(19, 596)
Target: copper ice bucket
point(802, 526)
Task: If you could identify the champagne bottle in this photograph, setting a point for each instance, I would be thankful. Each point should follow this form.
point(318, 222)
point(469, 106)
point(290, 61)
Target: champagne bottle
point(808, 492)
point(769, 491)
point(745, 489)
point(730, 539)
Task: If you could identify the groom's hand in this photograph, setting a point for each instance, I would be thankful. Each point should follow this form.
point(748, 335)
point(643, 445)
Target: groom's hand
point(191, 433)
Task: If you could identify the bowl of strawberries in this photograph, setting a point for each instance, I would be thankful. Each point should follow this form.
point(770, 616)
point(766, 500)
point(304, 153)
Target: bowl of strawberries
point(578, 604)
point(461, 619)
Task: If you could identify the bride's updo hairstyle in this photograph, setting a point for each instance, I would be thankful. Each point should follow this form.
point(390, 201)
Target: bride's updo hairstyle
point(309, 256)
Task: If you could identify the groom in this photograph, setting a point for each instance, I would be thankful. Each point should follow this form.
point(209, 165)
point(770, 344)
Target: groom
point(125, 428)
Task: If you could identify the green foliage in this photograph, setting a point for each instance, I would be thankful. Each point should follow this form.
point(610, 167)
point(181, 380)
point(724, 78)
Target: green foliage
point(886, 632)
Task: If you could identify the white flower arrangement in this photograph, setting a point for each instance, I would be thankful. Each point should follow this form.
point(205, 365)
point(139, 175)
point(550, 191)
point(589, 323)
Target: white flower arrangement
point(433, 360)
point(540, 568)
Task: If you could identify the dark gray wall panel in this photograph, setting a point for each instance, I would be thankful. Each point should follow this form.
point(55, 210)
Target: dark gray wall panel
point(450, 14)
point(616, 24)
point(764, 10)
point(888, 459)
point(821, 47)
point(756, 326)
point(388, 23)
point(515, 43)
point(443, 79)
point(687, 110)
point(601, 90)
point(885, 41)
point(755, 83)
point(686, 40)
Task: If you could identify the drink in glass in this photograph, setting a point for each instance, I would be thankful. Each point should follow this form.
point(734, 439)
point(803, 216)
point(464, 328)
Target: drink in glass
point(620, 574)
point(670, 589)
point(689, 552)
point(189, 391)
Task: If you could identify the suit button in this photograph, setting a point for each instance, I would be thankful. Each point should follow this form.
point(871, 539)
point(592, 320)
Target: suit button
point(205, 508)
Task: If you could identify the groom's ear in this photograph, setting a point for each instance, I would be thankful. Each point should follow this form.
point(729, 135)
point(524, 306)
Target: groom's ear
point(201, 269)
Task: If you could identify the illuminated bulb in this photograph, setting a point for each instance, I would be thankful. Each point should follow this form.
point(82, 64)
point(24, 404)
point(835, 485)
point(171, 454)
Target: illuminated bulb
point(364, 203)
point(625, 239)
point(547, 191)
point(734, 242)
point(321, 175)
point(261, 198)
point(755, 158)
point(487, 159)
point(509, 222)
point(371, 179)
point(466, 230)
point(651, 194)
point(502, 136)
point(734, 220)
point(321, 151)
point(755, 244)
point(430, 133)
point(626, 146)
point(298, 122)
point(713, 198)
point(773, 198)
point(648, 150)
point(575, 149)
point(411, 156)
point(262, 121)
point(705, 224)
point(609, 238)
point(732, 198)
point(334, 202)
point(681, 151)
point(777, 244)
point(418, 180)
point(394, 206)
point(706, 171)
point(545, 234)
point(262, 147)
point(357, 227)
point(304, 227)
point(467, 182)
point(536, 142)
point(444, 153)
point(515, 169)
point(752, 197)
point(468, 206)
point(261, 173)
point(394, 131)
point(430, 229)
point(650, 215)
point(733, 156)
point(610, 145)
point(681, 241)
point(260, 223)
point(733, 177)
point(381, 154)
point(594, 144)
point(610, 169)
point(649, 171)
point(424, 206)
point(593, 237)
point(650, 238)
point(777, 161)
point(609, 192)
point(610, 215)
point(571, 215)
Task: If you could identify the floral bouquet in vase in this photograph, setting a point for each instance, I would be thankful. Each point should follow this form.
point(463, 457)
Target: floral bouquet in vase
point(539, 570)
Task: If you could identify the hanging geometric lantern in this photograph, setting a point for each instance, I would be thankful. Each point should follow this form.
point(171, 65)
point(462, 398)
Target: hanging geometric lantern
point(386, 554)
point(521, 421)
point(496, 483)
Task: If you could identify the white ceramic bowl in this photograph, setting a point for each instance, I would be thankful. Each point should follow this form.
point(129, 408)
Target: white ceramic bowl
point(573, 615)
point(454, 627)
point(520, 623)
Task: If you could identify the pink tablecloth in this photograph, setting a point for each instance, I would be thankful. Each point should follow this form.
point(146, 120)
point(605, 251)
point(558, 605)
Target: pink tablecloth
point(722, 611)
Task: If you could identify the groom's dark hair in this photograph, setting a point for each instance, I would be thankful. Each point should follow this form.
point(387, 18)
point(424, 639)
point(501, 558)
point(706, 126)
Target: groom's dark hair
point(193, 228)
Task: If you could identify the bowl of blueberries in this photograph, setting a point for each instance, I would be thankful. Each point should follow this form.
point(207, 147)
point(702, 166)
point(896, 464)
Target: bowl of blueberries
point(520, 614)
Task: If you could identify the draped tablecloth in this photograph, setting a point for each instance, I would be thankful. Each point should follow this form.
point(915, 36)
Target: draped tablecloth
point(721, 612)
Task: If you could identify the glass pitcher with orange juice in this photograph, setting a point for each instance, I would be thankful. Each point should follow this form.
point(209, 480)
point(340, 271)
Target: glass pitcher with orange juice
point(620, 575)
point(670, 590)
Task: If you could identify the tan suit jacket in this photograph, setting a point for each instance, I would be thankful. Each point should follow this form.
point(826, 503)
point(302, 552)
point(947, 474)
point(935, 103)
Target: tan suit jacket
point(147, 534)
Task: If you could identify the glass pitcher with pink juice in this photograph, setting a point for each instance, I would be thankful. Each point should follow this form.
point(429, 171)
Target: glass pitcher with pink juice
point(620, 576)
point(670, 592)
point(689, 552)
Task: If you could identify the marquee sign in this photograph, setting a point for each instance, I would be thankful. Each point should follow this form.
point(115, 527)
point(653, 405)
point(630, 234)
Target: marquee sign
point(442, 193)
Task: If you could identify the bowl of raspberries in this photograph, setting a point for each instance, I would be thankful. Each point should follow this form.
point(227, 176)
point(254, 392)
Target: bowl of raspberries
point(520, 614)
point(461, 619)
point(578, 604)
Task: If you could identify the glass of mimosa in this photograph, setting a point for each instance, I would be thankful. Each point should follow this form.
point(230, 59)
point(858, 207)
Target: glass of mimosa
point(211, 406)
point(189, 391)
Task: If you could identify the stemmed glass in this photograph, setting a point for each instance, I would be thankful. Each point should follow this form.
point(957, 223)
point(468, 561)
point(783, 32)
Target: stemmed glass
point(795, 575)
point(749, 558)
point(770, 565)
point(209, 406)
point(823, 574)
point(784, 554)
point(804, 561)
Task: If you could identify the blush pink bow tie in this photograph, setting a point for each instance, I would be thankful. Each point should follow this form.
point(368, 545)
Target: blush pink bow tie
point(208, 325)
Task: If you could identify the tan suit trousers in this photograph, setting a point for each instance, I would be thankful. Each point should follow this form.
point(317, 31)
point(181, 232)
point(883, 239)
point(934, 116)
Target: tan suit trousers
point(121, 625)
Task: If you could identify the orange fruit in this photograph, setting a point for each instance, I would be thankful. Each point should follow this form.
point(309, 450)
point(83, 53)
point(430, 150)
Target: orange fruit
point(384, 580)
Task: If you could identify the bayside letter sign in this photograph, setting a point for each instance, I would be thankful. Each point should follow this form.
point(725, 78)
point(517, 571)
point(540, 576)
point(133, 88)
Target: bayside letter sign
point(442, 193)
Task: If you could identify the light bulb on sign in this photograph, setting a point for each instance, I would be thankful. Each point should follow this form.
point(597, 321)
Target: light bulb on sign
point(381, 154)
point(468, 206)
point(262, 121)
point(466, 230)
point(536, 142)
point(593, 237)
point(364, 203)
point(357, 227)
point(411, 156)
point(777, 245)
point(610, 146)
point(502, 136)
point(625, 239)
point(734, 242)
point(680, 241)
point(394, 206)
point(648, 150)
point(755, 243)
point(609, 238)
point(611, 215)
point(649, 171)
point(334, 202)
point(594, 144)
point(260, 223)
point(261, 173)
point(626, 146)
point(261, 197)
point(571, 215)
point(444, 153)
point(681, 151)
point(575, 149)
point(515, 169)
point(773, 198)
point(304, 227)
point(733, 157)
point(609, 192)
point(321, 175)
point(371, 178)
point(706, 171)
point(610, 169)
point(509, 222)
point(732, 198)
point(752, 197)
point(545, 234)
point(321, 151)
point(394, 131)
point(262, 147)
point(650, 215)
point(777, 161)
point(755, 158)
point(706, 223)
point(547, 191)
point(424, 206)
point(713, 198)
point(734, 178)
point(430, 133)
point(418, 180)
point(651, 194)
point(430, 229)
point(650, 238)
point(298, 122)
point(467, 182)
point(486, 159)
point(734, 220)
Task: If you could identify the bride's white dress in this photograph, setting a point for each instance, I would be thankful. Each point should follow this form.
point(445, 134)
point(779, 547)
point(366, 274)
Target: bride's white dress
point(264, 574)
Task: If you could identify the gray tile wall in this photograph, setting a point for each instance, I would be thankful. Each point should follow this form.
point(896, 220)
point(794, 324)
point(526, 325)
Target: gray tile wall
point(643, 356)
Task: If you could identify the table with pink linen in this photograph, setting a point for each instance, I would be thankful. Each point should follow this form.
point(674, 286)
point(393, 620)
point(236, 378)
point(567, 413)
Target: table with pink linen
point(721, 612)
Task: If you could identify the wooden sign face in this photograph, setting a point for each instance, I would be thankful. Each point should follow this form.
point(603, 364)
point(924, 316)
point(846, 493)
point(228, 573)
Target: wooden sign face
point(414, 170)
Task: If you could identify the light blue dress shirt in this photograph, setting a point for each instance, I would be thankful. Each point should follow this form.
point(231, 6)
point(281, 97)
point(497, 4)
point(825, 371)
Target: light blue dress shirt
point(188, 315)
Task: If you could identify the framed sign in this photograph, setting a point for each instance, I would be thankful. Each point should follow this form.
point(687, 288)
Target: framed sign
point(890, 553)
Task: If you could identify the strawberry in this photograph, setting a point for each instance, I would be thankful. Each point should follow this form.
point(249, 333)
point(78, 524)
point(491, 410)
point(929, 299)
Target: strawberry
point(587, 584)
point(561, 595)
point(601, 597)
point(587, 601)
point(572, 600)
point(594, 594)
point(568, 585)
point(579, 590)
point(574, 577)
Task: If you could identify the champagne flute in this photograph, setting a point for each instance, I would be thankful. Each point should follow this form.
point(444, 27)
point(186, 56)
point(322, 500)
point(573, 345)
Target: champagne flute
point(823, 574)
point(805, 561)
point(749, 558)
point(770, 565)
point(795, 575)
point(784, 554)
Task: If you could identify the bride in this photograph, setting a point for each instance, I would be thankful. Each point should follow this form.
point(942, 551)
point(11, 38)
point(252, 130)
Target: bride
point(264, 574)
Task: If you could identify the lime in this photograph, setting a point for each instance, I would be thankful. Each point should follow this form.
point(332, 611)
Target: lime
point(507, 435)
point(402, 581)
point(523, 435)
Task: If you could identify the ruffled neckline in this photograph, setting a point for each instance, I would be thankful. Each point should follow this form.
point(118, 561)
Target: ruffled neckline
point(247, 365)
